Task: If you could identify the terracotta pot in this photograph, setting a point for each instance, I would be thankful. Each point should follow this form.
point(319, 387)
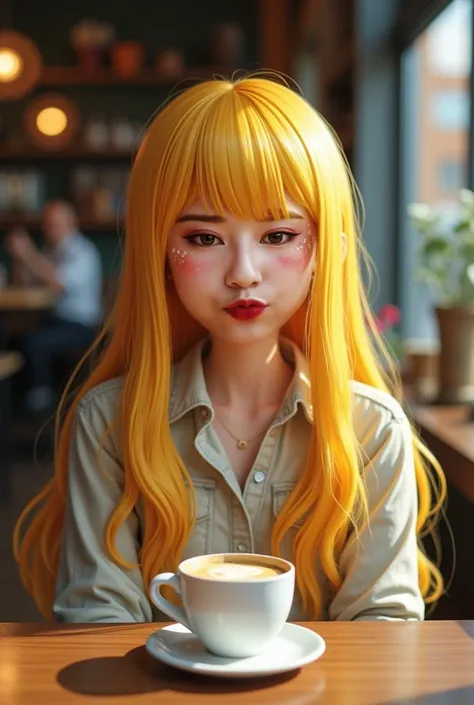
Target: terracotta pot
point(456, 361)
point(127, 58)
point(421, 368)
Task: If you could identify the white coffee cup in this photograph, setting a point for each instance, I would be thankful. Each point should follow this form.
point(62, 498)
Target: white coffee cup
point(236, 604)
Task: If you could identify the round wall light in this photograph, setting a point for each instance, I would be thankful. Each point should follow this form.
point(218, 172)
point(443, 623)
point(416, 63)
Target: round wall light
point(51, 121)
point(20, 65)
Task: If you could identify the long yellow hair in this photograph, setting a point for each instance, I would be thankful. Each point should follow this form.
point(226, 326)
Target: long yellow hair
point(242, 146)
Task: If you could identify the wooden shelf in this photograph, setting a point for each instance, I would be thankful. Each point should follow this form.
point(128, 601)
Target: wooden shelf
point(59, 76)
point(10, 153)
point(10, 220)
point(345, 130)
point(341, 67)
point(306, 20)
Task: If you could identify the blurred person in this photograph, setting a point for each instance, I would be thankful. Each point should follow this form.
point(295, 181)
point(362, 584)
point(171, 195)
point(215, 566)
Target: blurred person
point(70, 266)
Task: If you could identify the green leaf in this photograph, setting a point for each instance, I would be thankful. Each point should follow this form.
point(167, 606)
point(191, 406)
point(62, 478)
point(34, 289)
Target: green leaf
point(436, 246)
point(432, 277)
point(467, 252)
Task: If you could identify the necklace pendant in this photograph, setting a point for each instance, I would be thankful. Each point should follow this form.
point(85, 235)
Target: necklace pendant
point(242, 445)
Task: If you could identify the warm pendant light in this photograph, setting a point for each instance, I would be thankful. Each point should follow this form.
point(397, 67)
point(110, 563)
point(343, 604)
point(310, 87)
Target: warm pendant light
point(20, 65)
point(51, 121)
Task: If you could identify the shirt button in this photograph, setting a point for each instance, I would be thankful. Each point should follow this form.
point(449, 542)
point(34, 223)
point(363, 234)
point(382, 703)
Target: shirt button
point(259, 477)
point(205, 413)
point(274, 432)
point(242, 547)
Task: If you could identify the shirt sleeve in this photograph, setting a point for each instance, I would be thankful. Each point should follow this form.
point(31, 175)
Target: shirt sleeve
point(90, 586)
point(379, 566)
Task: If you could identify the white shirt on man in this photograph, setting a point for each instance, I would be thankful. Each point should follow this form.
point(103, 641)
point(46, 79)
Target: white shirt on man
point(79, 270)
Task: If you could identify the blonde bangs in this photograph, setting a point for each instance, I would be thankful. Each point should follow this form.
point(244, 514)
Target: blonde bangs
point(244, 158)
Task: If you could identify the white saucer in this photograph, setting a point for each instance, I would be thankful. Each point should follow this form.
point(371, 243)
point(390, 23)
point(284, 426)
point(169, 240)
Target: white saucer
point(294, 647)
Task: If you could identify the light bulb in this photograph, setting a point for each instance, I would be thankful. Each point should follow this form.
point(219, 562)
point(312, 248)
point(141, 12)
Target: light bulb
point(51, 121)
point(11, 65)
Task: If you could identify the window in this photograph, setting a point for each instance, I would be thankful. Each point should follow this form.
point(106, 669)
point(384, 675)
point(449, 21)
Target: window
point(435, 143)
point(450, 109)
point(448, 49)
point(451, 176)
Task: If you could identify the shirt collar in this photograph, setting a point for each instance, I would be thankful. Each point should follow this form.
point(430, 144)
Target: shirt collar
point(188, 386)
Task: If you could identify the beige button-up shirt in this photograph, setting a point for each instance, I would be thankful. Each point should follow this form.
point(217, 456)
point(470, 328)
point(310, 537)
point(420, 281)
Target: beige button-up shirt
point(379, 570)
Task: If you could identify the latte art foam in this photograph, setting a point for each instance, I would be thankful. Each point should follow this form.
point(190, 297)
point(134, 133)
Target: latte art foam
point(236, 571)
point(233, 571)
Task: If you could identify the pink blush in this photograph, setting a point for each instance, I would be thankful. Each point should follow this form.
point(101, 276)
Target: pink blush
point(186, 263)
point(300, 256)
point(298, 261)
point(186, 268)
point(285, 261)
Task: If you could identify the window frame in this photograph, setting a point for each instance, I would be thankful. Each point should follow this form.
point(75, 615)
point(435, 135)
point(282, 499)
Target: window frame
point(413, 21)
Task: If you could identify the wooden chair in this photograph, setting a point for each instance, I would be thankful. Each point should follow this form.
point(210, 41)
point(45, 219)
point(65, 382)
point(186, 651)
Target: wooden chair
point(11, 362)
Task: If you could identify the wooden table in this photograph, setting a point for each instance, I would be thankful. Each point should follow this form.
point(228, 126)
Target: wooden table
point(17, 298)
point(366, 663)
point(10, 363)
point(448, 432)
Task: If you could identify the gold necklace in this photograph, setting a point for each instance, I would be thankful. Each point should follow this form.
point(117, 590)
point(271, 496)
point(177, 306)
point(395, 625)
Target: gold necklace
point(241, 444)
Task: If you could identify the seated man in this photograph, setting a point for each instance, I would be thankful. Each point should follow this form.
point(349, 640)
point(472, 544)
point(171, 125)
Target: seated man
point(70, 266)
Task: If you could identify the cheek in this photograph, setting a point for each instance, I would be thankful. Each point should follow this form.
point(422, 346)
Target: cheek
point(299, 258)
point(288, 262)
point(185, 263)
point(296, 262)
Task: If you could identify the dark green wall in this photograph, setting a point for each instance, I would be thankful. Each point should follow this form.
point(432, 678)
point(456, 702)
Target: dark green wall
point(184, 24)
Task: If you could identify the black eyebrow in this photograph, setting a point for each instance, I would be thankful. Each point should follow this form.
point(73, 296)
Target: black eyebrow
point(203, 218)
point(200, 217)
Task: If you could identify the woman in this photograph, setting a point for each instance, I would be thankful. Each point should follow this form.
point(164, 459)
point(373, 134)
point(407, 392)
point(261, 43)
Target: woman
point(239, 404)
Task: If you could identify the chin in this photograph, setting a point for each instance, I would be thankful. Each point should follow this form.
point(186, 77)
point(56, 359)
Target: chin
point(243, 333)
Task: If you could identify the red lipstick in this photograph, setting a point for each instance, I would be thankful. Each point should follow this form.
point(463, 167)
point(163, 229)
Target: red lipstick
point(246, 309)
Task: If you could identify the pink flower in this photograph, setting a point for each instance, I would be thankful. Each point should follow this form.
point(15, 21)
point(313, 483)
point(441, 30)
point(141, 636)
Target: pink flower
point(389, 316)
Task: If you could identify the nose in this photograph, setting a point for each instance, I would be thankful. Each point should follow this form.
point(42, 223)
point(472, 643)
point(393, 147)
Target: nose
point(244, 270)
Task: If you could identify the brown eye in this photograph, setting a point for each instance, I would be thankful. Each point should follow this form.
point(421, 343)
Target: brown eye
point(206, 239)
point(203, 239)
point(278, 238)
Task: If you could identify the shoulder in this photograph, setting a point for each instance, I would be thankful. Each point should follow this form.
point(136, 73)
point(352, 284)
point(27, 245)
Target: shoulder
point(100, 406)
point(375, 405)
point(380, 421)
point(81, 246)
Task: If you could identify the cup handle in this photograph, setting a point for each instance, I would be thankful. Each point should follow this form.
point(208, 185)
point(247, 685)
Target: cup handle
point(176, 613)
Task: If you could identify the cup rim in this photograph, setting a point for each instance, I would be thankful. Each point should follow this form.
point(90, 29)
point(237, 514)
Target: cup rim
point(256, 556)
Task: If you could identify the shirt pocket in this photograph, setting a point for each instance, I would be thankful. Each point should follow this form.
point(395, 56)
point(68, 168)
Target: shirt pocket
point(280, 493)
point(200, 540)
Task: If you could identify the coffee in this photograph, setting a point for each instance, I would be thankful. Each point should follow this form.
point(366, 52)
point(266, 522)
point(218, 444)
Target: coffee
point(235, 603)
point(232, 569)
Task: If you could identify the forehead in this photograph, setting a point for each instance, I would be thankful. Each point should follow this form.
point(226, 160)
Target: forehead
point(198, 207)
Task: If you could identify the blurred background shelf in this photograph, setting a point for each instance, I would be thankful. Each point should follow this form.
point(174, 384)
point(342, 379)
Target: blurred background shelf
point(10, 220)
point(342, 67)
point(59, 76)
point(17, 154)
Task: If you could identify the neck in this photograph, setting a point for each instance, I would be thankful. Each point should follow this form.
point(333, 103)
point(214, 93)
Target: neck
point(247, 376)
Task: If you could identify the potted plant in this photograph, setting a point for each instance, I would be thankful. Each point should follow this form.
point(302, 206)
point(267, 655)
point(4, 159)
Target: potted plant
point(447, 267)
